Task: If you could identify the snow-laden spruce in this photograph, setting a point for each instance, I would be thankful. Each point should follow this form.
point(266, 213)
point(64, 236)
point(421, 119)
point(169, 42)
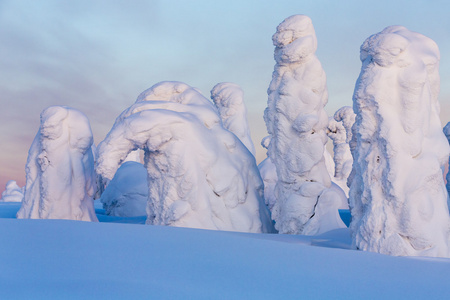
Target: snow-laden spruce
point(398, 198)
point(268, 173)
point(339, 131)
point(296, 121)
point(127, 193)
point(60, 177)
point(12, 192)
point(229, 100)
point(199, 174)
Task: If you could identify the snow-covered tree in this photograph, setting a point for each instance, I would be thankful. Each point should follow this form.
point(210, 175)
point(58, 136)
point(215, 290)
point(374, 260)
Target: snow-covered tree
point(229, 100)
point(269, 176)
point(200, 175)
point(60, 177)
point(126, 195)
point(12, 192)
point(398, 198)
point(339, 131)
point(297, 122)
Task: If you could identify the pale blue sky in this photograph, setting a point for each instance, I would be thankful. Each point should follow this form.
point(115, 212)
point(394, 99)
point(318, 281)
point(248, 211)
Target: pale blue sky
point(97, 56)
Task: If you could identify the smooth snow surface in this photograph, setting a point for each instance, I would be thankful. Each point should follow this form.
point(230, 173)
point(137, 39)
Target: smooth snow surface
point(60, 177)
point(12, 192)
point(127, 193)
point(398, 198)
point(59, 259)
point(296, 121)
point(229, 100)
point(199, 174)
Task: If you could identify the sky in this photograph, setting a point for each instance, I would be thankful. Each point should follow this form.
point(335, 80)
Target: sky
point(97, 56)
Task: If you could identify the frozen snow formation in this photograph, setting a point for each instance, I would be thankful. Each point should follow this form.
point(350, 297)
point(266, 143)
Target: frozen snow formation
point(126, 194)
point(199, 174)
point(229, 100)
point(268, 173)
point(296, 121)
point(447, 177)
point(398, 198)
point(339, 131)
point(12, 192)
point(60, 177)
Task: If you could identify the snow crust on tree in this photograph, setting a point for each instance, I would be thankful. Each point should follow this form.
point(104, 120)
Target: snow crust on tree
point(12, 192)
point(127, 193)
point(398, 198)
point(60, 177)
point(229, 100)
point(339, 131)
point(447, 177)
point(199, 174)
point(296, 122)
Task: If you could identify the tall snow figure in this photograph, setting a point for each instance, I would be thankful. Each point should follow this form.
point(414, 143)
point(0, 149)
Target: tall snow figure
point(60, 177)
point(200, 175)
point(297, 123)
point(398, 198)
point(229, 100)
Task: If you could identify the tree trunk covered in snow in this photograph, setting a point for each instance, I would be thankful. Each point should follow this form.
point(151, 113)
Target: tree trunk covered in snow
point(60, 177)
point(296, 120)
point(398, 198)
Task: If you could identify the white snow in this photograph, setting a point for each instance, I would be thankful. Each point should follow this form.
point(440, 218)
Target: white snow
point(398, 198)
point(199, 174)
point(447, 176)
point(126, 195)
point(12, 192)
point(296, 121)
point(340, 132)
point(229, 100)
point(60, 177)
point(59, 259)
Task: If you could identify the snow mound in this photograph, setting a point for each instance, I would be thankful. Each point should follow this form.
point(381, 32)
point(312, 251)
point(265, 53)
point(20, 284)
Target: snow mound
point(398, 198)
point(199, 174)
point(12, 192)
point(229, 100)
point(60, 177)
point(296, 121)
point(126, 195)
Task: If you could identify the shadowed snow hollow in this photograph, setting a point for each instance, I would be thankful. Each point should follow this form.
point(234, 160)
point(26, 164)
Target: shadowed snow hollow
point(200, 175)
point(398, 198)
point(60, 177)
point(296, 121)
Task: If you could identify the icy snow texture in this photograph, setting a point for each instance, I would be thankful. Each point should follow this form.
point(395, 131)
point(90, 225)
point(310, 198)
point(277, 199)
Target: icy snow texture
point(229, 100)
point(200, 175)
point(339, 131)
point(447, 177)
point(12, 192)
point(398, 198)
point(60, 177)
point(296, 121)
point(126, 195)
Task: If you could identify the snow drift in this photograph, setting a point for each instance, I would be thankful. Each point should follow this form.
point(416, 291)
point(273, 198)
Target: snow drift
point(398, 198)
point(229, 100)
point(200, 175)
point(12, 192)
point(60, 177)
point(296, 122)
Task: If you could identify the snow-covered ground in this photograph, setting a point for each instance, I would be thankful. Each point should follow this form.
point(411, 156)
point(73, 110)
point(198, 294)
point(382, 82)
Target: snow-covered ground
point(60, 259)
